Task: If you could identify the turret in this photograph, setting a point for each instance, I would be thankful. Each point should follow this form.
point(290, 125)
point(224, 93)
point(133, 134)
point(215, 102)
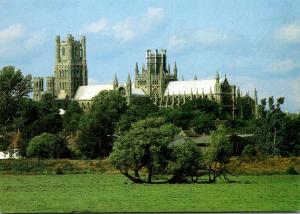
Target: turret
point(57, 49)
point(136, 69)
point(115, 82)
point(175, 71)
point(217, 77)
point(50, 85)
point(38, 88)
point(255, 104)
point(129, 89)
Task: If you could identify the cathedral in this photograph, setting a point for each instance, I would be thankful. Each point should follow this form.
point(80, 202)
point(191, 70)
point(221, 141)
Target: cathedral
point(154, 80)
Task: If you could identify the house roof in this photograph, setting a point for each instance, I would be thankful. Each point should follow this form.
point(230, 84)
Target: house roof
point(192, 86)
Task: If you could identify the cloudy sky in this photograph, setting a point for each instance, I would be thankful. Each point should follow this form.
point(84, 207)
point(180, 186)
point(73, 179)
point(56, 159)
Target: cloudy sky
point(255, 42)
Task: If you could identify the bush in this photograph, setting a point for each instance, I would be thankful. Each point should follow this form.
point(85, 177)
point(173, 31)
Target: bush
point(46, 146)
point(291, 171)
point(248, 151)
point(59, 170)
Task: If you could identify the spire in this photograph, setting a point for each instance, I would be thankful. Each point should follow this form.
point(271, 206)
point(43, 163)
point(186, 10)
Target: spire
point(175, 70)
point(128, 80)
point(115, 82)
point(136, 69)
point(238, 92)
point(255, 96)
point(195, 77)
point(217, 76)
point(169, 69)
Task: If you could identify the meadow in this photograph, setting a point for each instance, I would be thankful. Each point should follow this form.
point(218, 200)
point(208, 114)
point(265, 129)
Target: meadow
point(113, 192)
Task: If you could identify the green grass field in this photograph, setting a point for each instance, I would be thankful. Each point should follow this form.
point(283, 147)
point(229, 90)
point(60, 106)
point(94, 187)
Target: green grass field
point(113, 192)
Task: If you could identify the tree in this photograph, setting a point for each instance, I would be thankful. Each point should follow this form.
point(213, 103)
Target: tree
point(97, 126)
point(202, 122)
point(137, 110)
point(71, 117)
point(13, 88)
point(185, 162)
point(218, 153)
point(144, 145)
point(46, 145)
point(274, 132)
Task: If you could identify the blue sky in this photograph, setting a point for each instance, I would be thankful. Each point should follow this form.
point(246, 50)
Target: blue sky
point(255, 42)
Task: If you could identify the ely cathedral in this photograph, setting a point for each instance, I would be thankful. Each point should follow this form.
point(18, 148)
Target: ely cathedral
point(153, 80)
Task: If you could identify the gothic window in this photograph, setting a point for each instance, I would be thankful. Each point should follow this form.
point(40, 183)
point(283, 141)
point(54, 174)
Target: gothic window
point(122, 91)
point(63, 51)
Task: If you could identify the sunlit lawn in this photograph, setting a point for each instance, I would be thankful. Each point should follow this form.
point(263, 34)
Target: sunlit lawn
point(113, 192)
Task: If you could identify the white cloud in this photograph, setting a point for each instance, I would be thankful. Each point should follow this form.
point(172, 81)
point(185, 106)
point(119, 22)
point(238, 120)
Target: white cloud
point(176, 42)
point(210, 37)
point(96, 27)
point(12, 33)
point(35, 40)
point(287, 88)
point(123, 31)
point(281, 66)
point(128, 29)
point(17, 40)
point(154, 15)
point(289, 33)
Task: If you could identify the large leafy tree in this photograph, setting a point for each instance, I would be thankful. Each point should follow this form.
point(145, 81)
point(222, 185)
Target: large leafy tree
point(13, 88)
point(276, 133)
point(218, 153)
point(71, 117)
point(137, 110)
point(144, 145)
point(97, 126)
point(46, 145)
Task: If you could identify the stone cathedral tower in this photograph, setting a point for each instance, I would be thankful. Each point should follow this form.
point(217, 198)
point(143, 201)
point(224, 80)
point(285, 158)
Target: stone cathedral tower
point(70, 70)
point(154, 78)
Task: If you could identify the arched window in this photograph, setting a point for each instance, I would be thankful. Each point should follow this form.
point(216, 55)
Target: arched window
point(63, 51)
point(122, 91)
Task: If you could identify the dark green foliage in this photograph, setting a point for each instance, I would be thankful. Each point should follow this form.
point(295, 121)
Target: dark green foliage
point(97, 126)
point(13, 88)
point(4, 141)
point(291, 171)
point(46, 145)
point(137, 110)
point(197, 114)
point(72, 116)
point(249, 151)
point(39, 117)
point(144, 145)
point(203, 105)
point(202, 122)
point(218, 153)
point(185, 161)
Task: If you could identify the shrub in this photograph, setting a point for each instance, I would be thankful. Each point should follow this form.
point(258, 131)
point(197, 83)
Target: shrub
point(248, 151)
point(59, 170)
point(291, 171)
point(46, 146)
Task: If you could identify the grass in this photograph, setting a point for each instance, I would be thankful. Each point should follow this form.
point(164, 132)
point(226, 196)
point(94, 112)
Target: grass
point(113, 192)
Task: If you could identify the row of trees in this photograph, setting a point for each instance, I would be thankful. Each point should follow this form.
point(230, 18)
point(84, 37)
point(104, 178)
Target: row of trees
point(110, 120)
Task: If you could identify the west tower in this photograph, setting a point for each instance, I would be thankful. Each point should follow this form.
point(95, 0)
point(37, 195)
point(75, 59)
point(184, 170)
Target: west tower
point(70, 69)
